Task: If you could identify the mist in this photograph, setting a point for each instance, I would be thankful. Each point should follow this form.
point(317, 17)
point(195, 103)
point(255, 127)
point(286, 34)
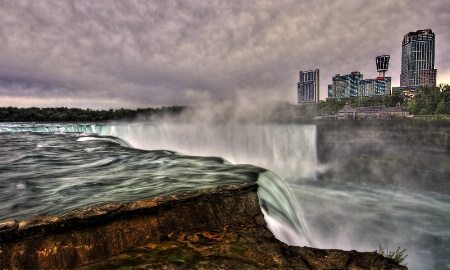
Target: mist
point(239, 111)
point(358, 185)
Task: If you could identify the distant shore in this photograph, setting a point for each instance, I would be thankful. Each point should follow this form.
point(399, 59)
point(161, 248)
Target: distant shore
point(283, 113)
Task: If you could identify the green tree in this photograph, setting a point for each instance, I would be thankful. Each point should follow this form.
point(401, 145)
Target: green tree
point(331, 106)
point(429, 100)
point(443, 106)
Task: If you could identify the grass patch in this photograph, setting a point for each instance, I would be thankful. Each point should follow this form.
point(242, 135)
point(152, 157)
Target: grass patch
point(397, 255)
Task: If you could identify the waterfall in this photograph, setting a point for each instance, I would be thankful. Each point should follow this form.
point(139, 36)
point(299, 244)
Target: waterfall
point(287, 150)
point(51, 127)
point(281, 211)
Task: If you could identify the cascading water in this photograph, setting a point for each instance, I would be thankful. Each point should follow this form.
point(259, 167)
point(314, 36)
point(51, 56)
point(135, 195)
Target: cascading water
point(53, 167)
point(287, 150)
point(51, 127)
point(281, 211)
point(283, 149)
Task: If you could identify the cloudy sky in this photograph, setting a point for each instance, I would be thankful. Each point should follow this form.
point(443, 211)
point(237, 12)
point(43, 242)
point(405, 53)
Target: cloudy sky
point(112, 54)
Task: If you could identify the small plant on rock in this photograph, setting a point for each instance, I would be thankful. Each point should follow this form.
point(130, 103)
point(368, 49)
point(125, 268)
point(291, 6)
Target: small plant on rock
point(398, 255)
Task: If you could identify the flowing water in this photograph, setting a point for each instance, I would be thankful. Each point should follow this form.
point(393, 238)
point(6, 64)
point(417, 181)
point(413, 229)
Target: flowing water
point(52, 168)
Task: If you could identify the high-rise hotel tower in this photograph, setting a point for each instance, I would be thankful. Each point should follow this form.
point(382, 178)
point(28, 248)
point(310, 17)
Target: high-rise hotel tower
point(308, 87)
point(418, 59)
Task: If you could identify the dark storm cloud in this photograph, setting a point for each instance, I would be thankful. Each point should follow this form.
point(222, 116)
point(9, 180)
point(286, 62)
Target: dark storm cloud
point(179, 52)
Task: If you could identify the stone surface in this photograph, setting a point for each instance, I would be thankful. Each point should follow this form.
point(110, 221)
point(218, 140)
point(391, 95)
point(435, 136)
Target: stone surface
point(247, 244)
point(7, 226)
point(219, 228)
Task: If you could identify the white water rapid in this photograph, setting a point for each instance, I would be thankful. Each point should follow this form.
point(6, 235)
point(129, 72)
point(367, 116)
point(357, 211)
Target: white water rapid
point(287, 150)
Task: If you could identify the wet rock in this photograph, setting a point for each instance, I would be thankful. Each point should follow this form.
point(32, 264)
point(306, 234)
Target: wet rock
point(220, 228)
point(8, 226)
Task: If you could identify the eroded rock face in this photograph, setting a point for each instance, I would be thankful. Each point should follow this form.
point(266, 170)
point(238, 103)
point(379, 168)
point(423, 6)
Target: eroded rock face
point(212, 228)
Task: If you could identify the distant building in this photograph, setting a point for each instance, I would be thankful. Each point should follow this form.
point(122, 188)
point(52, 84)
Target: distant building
point(345, 85)
point(375, 87)
point(382, 62)
point(349, 112)
point(353, 85)
point(308, 87)
point(418, 55)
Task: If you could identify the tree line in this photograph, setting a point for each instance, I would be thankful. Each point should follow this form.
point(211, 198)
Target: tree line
point(61, 114)
point(428, 100)
point(334, 105)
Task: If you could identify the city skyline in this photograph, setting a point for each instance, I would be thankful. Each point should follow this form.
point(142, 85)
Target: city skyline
point(132, 54)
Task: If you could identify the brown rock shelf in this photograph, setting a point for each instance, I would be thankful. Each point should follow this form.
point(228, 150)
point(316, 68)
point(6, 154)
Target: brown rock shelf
point(221, 228)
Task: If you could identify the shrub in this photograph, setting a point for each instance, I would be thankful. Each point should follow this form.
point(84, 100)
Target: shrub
point(398, 255)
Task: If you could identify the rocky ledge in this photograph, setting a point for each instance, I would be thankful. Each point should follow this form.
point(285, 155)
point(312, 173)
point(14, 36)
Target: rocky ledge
point(220, 228)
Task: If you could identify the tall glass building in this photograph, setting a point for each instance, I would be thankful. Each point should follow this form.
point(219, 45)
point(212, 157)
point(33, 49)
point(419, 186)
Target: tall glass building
point(308, 87)
point(418, 59)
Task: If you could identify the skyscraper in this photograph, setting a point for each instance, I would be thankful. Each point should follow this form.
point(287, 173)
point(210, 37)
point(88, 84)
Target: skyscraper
point(418, 59)
point(308, 87)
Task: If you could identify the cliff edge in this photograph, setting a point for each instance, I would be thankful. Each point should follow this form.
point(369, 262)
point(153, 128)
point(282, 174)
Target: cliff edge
point(221, 228)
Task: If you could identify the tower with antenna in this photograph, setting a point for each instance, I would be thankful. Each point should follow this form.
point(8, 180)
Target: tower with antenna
point(382, 62)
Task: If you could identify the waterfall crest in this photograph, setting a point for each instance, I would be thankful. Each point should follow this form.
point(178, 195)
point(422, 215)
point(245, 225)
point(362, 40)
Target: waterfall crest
point(288, 150)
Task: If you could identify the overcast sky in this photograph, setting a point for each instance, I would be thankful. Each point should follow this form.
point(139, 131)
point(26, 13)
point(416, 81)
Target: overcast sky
point(111, 54)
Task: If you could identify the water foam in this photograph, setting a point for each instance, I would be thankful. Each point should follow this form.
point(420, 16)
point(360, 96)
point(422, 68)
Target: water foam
point(288, 150)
